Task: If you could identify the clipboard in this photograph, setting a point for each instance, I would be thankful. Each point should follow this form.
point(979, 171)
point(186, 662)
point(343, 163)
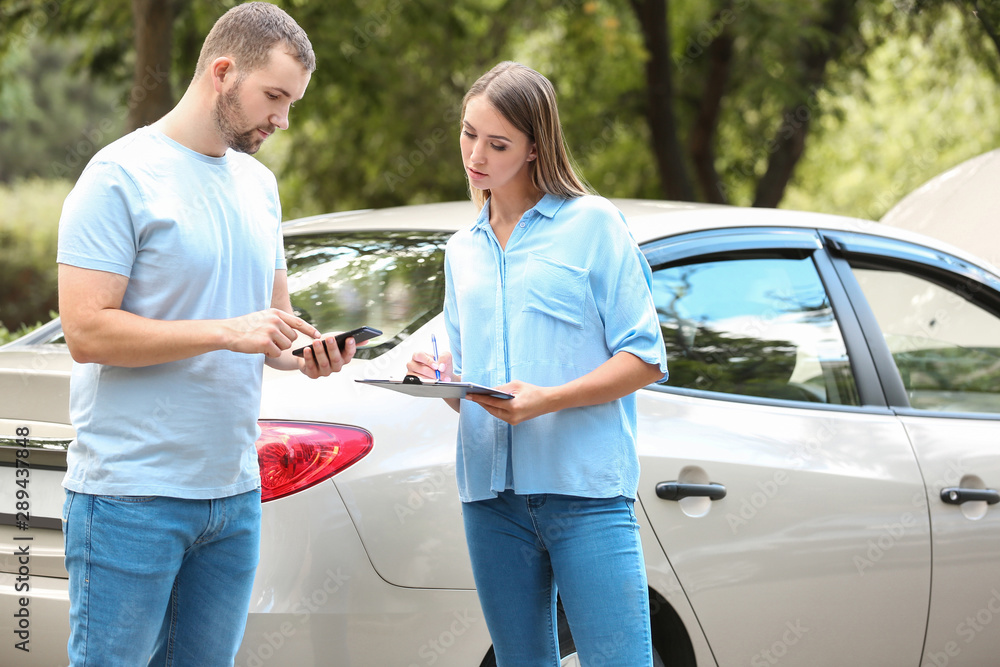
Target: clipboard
point(414, 386)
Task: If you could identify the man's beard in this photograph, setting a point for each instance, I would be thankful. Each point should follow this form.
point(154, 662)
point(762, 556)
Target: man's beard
point(230, 118)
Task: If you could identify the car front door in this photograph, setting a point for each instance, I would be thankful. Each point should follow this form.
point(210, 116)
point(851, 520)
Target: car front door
point(936, 324)
point(780, 485)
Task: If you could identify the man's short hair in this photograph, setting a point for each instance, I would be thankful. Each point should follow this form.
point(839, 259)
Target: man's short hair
point(248, 32)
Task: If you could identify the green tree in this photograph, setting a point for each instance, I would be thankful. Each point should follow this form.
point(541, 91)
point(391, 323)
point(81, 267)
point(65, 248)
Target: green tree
point(52, 117)
point(731, 91)
point(715, 101)
point(143, 50)
point(927, 102)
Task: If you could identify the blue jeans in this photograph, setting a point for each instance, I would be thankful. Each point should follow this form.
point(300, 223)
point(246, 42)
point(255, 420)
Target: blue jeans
point(525, 548)
point(159, 581)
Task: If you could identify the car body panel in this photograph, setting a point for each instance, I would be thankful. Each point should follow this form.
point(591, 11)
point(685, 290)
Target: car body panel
point(388, 496)
point(791, 544)
point(829, 548)
point(328, 605)
point(663, 580)
point(49, 622)
point(965, 596)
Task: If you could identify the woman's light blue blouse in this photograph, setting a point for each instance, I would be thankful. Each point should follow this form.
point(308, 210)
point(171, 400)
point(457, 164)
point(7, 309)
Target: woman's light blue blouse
point(570, 290)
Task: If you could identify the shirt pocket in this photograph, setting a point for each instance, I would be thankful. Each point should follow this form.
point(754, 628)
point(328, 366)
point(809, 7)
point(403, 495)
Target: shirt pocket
point(556, 289)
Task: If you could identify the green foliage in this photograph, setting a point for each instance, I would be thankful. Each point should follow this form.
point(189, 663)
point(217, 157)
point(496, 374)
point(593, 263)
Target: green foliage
point(925, 106)
point(29, 217)
point(53, 117)
point(768, 88)
point(7, 336)
point(379, 122)
point(593, 54)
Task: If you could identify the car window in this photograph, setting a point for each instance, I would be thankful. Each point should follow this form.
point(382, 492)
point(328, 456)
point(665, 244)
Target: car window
point(392, 281)
point(947, 348)
point(754, 326)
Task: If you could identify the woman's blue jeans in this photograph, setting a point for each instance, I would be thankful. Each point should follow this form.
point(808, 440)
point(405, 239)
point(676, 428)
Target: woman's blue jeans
point(525, 548)
point(159, 581)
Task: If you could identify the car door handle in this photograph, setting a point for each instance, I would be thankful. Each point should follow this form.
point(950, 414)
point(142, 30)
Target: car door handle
point(676, 491)
point(957, 496)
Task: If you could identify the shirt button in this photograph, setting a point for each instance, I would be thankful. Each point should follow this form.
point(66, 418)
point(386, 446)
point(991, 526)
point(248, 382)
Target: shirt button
point(524, 224)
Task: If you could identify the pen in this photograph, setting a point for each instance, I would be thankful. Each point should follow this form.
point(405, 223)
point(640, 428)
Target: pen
point(434, 344)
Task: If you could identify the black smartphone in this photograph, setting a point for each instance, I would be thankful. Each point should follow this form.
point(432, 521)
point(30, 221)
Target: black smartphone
point(360, 334)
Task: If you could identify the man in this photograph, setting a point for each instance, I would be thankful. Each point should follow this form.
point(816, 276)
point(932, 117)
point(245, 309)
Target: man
point(173, 295)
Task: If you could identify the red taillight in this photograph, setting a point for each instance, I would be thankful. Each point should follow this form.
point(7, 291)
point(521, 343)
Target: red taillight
point(296, 455)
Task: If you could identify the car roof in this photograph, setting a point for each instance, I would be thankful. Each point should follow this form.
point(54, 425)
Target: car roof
point(956, 206)
point(648, 220)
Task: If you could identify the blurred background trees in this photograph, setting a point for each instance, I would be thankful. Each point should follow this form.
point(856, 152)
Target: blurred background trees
point(830, 105)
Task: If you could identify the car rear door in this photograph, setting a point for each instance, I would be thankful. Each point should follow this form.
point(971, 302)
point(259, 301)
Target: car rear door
point(935, 323)
point(781, 487)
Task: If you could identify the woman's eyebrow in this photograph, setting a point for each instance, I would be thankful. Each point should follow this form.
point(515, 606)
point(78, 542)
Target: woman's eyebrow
point(491, 136)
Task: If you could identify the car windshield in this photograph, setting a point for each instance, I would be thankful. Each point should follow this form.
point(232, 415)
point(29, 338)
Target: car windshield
point(389, 280)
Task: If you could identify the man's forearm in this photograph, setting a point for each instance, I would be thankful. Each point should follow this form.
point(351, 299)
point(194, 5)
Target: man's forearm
point(119, 338)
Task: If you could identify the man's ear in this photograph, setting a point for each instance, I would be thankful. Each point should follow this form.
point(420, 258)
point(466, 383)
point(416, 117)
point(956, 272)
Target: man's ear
point(221, 69)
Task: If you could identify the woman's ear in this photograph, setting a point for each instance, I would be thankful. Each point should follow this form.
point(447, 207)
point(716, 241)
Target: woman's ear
point(533, 153)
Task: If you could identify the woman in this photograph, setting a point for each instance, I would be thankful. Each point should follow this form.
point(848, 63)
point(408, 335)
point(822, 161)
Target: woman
point(548, 298)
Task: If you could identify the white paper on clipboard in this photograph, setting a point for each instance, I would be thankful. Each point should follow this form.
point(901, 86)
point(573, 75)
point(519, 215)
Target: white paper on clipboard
point(433, 389)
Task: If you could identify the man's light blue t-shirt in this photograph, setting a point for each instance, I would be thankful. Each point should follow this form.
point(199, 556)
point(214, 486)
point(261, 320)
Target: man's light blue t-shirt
point(199, 238)
point(570, 290)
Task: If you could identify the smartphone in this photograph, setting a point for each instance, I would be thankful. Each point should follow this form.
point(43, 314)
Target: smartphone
point(360, 334)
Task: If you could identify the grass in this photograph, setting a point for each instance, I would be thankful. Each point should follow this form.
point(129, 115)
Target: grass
point(32, 206)
point(29, 225)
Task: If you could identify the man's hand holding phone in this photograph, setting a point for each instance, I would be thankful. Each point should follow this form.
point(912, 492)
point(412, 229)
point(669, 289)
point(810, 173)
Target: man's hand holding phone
point(328, 354)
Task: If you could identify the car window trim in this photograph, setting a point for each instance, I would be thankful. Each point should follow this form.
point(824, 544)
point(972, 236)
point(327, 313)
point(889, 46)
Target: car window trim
point(729, 241)
point(930, 264)
point(762, 400)
point(797, 242)
point(942, 414)
point(869, 382)
point(926, 263)
point(40, 336)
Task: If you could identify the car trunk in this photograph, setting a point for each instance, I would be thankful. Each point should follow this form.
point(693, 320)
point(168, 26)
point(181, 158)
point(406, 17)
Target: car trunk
point(34, 434)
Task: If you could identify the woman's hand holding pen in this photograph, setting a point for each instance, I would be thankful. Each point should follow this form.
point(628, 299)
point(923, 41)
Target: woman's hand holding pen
point(422, 365)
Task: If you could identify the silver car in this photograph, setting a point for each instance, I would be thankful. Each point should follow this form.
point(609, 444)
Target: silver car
point(818, 476)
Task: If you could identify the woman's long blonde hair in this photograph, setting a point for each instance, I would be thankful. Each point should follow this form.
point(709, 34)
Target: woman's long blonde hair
point(527, 100)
